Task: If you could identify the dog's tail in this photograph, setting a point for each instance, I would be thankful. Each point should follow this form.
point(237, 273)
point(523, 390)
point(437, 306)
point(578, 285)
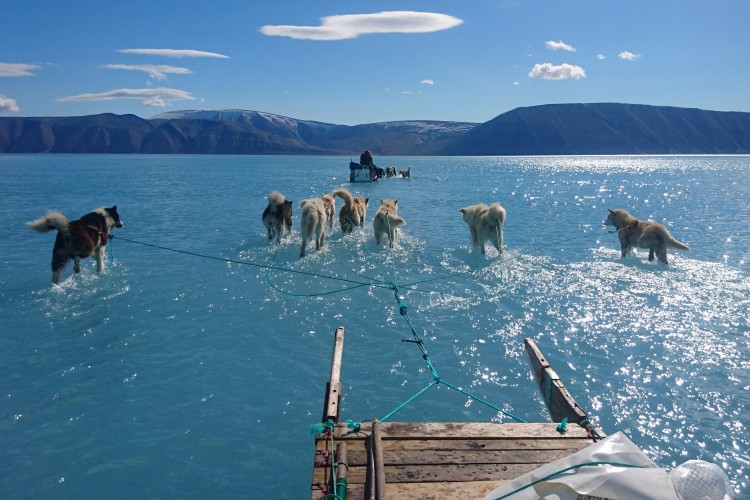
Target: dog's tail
point(677, 245)
point(498, 212)
point(393, 221)
point(53, 220)
point(346, 196)
point(275, 199)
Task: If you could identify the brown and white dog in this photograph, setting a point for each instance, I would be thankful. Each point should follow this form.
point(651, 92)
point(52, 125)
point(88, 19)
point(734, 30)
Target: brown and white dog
point(314, 222)
point(277, 216)
point(353, 211)
point(485, 223)
point(645, 234)
point(78, 239)
point(387, 221)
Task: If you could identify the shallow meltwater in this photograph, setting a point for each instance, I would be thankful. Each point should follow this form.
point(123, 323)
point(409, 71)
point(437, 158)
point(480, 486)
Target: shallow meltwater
point(196, 364)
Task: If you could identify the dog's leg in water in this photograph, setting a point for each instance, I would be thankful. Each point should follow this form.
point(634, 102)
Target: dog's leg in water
point(55, 277)
point(99, 258)
point(76, 264)
point(304, 244)
point(499, 240)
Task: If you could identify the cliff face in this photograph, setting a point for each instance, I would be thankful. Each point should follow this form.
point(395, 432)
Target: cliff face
point(538, 130)
point(607, 129)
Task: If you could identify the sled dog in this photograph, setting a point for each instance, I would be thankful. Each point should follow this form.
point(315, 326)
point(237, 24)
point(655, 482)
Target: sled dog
point(353, 211)
point(645, 234)
point(387, 221)
point(78, 239)
point(485, 223)
point(277, 216)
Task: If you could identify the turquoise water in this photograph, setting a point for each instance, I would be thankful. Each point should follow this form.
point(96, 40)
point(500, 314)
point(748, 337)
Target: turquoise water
point(176, 375)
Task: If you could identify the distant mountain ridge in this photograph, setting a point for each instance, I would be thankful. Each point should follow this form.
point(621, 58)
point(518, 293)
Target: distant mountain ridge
point(606, 128)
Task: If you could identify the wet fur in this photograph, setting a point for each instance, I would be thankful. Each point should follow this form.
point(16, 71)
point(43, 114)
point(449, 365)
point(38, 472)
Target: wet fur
point(387, 221)
point(78, 239)
point(353, 211)
point(314, 222)
point(406, 173)
point(277, 217)
point(330, 203)
point(644, 234)
point(485, 223)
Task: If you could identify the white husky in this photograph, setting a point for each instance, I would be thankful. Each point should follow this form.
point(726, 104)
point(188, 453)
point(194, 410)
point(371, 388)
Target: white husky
point(314, 221)
point(485, 223)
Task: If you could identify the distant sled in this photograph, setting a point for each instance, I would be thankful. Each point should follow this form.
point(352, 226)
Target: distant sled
point(361, 173)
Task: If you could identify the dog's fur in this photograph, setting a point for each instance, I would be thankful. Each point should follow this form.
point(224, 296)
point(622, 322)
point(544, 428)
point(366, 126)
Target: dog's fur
point(78, 239)
point(314, 222)
point(353, 211)
point(390, 172)
point(277, 216)
point(387, 221)
point(485, 223)
point(330, 202)
point(406, 173)
point(645, 234)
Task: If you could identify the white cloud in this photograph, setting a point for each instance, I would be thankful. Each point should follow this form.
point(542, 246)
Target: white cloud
point(427, 82)
point(354, 25)
point(601, 57)
point(173, 53)
point(157, 72)
point(159, 97)
point(516, 83)
point(8, 104)
point(559, 46)
point(548, 71)
point(628, 56)
point(17, 69)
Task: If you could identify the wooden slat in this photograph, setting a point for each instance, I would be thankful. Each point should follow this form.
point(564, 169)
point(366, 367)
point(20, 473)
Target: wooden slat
point(557, 398)
point(449, 457)
point(333, 388)
point(451, 430)
point(439, 473)
point(431, 491)
point(358, 445)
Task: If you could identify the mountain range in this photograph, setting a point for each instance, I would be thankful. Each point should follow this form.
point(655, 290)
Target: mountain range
point(552, 129)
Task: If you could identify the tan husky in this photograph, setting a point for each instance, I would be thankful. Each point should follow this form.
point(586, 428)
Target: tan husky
point(313, 223)
point(353, 210)
point(485, 223)
point(644, 234)
point(387, 221)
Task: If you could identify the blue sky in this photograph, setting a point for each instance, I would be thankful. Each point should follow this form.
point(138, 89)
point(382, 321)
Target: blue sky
point(370, 61)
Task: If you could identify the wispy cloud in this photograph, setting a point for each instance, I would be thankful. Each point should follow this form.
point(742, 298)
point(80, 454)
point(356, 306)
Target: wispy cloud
point(601, 57)
point(176, 53)
point(548, 71)
point(427, 82)
point(628, 56)
point(159, 97)
point(17, 69)
point(559, 46)
point(8, 104)
point(354, 25)
point(157, 72)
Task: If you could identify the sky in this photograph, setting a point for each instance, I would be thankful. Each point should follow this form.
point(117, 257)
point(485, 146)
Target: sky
point(359, 62)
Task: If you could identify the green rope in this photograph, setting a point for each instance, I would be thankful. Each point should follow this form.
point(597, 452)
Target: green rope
point(554, 474)
point(247, 263)
point(431, 384)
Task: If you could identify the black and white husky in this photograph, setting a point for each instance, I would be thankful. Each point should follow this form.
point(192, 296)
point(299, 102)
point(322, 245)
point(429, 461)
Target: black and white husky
point(78, 239)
